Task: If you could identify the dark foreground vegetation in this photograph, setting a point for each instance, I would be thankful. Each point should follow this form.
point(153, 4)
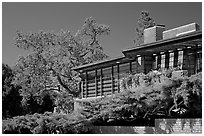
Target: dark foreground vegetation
point(142, 99)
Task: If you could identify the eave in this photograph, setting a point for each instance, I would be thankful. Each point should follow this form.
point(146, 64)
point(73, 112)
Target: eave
point(182, 41)
point(102, 64)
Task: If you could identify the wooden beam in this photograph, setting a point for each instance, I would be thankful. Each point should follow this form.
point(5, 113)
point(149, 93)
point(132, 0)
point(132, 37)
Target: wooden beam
point(96, 85)
point(101, 79)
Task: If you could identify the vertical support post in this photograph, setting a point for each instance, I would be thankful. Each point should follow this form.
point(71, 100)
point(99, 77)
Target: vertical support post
point(112, 79)
point(96, 85)
point(195, 64)
point(147, 63)
point(185, 59)
point(82, 89)
point(191, 61)
point(79, 86)
point(118, 74)
point(142, 64)
point(101, 79)
point(130, 66)
point(167, 59)
point(86, 84)
point(175, 58)
point(158, 61)
point(154, 62)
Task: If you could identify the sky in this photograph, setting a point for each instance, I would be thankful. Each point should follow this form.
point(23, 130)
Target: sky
point(121, 17)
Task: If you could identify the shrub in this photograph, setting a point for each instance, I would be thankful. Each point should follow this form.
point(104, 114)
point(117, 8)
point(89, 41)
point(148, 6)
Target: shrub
point(46, 123)
point(150, 96)
point(143, 98)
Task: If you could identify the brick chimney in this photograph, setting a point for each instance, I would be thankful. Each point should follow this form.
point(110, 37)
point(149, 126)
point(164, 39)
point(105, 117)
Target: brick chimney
point(153, 34)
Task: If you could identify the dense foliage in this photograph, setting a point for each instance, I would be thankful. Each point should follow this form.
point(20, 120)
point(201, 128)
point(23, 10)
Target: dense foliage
point(11, 99)
point(146, 97)
point(47, 123)
point(13, 103)
point(142, 99)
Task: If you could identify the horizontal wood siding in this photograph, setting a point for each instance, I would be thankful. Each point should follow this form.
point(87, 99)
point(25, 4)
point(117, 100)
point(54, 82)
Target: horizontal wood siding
point(104, 81)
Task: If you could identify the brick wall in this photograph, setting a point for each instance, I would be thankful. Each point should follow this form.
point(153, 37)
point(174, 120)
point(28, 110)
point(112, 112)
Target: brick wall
point(162, 126)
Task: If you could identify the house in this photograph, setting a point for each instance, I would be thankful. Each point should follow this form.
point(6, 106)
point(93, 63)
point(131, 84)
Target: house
point(181, 46)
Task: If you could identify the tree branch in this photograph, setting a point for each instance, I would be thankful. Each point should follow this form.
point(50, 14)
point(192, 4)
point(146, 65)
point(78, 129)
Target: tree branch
point(93, 37)
point(74, 93)
point(66, 87)
point(84, 54)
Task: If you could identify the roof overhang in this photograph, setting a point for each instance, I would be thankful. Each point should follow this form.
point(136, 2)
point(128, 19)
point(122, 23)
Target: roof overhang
point(102, 64)
point(188, 40)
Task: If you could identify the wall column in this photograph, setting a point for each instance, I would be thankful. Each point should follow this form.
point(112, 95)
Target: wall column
point(112, 79)
point(86, 84)
point(167, 59)
point(96, 85)
point(175, 58)
point(158, 61)
point(185, 59)
point(101, 80)
point(82, 89)
point(192, 61)
point(146, 63)
point(118, 74)
point(130, 66)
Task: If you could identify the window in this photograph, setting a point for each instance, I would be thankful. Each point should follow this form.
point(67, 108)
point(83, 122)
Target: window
point(91, 76)
point(125, 68)
point(139, 59)
point(107, 72)
point(163, 61)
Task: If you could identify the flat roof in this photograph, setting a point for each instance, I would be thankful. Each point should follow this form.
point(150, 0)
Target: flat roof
point(188, 39)
point(149, 48)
